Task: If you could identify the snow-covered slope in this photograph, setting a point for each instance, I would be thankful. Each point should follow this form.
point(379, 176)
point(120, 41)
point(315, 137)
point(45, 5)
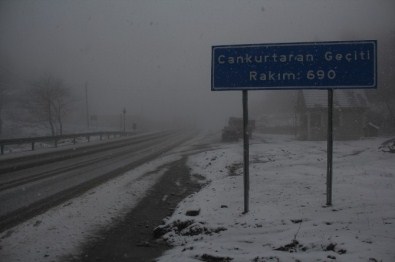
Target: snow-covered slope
point(288, 219)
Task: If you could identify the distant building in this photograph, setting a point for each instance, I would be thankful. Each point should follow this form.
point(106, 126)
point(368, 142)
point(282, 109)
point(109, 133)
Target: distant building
point(276, 123)
point(349, 114)
point(371, 130)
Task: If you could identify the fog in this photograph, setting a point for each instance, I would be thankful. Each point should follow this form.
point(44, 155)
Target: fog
point(153, 58)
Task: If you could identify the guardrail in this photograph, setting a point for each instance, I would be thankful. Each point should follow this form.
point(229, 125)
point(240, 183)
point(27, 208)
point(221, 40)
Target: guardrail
point(55, 139)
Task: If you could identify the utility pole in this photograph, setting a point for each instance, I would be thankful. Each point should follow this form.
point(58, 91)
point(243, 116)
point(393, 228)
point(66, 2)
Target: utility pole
point(86, 105)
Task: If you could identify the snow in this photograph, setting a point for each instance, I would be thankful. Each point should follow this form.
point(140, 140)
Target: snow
point(288, 219)
point(287, 206)
point(60, 231)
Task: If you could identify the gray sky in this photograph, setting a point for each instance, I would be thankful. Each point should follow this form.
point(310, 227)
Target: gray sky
point(153, 57)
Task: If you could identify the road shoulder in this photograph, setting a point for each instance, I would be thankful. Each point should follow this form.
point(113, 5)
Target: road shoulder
point(131, 239)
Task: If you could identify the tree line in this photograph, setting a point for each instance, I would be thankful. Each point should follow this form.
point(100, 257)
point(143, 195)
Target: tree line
point(43, 103)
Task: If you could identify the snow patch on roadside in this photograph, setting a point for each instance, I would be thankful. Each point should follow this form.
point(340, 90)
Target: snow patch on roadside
point(61, 230)
point(288, 220)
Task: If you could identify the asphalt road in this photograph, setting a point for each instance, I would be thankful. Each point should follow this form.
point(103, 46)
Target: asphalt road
point(32, 185)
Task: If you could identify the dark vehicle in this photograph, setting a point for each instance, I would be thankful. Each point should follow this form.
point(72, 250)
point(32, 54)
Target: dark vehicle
point(388, 146)
point(234, 130)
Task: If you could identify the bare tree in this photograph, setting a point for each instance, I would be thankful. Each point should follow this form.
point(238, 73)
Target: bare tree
point(48, 102)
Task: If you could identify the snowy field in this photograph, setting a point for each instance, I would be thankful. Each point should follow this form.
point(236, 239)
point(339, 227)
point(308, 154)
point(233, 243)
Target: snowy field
point(288, 219)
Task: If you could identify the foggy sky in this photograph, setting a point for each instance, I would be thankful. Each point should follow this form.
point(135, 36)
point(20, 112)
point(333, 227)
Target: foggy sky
point(153, 57)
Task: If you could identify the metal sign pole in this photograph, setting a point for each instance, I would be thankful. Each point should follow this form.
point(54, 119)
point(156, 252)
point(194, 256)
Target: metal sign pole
point(246, 152)
point(329, 149)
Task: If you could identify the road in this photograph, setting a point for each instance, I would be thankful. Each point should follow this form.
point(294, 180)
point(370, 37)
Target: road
point(132, 238)
point(32, 184)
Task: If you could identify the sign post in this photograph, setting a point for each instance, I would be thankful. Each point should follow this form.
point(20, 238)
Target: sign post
point(329, 149)
point(285, 66)
point(246, 154)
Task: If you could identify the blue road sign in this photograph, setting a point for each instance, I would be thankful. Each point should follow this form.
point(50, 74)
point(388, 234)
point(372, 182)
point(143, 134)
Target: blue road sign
point(319, 65)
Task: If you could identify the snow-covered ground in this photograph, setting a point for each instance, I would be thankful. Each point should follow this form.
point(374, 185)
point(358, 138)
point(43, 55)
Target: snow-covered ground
point(288, 219)
point(62, 230)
